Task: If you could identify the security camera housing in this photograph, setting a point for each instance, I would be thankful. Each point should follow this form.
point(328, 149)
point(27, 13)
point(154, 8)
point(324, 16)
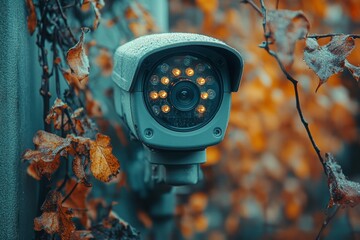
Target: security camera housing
point(185, 114)
point(133, 63)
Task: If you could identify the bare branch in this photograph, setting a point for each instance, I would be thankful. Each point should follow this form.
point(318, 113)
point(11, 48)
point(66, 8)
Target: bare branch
point(327, 221)
point(69, 194)
point(252, 4)
point(318, 36)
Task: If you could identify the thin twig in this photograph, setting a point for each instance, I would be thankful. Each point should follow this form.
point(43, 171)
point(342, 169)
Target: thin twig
point(44, 89)
point(265, 45)
point(66, 111)
point(66, 178)
point(65, 21)
point(252, 4)
point(318, 36)
point(327, 221)
point(69, 194)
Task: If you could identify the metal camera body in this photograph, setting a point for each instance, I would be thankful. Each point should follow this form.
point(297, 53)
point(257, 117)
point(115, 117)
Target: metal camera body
point(173, 90)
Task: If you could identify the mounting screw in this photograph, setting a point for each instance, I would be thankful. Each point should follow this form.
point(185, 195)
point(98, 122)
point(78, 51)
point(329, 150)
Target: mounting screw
point(217, 132)
point(148, 133)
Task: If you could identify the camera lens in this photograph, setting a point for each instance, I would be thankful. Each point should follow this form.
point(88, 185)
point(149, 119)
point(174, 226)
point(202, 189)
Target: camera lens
point(184, 95)
point(183, 92)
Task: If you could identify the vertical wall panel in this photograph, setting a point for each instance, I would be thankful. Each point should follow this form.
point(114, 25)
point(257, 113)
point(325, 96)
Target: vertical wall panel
point(19, 108)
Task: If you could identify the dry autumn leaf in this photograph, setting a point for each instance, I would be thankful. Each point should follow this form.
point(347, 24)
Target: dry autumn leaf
point(81, 235)
point(105, 61)
point(57, 116)
point(96, 5)
point(73, 81)
point(208, 6)
point(329, 59)
point(104, 165)
point(55, 218)
point(31, 19)
point(113, 228)
point(93, 108)
point(79, 170)
point(78, 200)
point(77, 59)
point(285, 28)
point(355, 71)
point(342, 191)
point(45, 159)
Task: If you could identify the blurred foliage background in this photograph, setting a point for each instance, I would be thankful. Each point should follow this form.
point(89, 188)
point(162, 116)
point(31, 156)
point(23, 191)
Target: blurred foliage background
point(264, 181)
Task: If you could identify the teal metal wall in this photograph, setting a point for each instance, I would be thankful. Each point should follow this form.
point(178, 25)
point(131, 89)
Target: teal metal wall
point(20, 109)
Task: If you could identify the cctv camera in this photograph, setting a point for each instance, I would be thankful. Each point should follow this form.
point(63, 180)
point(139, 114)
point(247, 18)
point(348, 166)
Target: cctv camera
point(173, 91)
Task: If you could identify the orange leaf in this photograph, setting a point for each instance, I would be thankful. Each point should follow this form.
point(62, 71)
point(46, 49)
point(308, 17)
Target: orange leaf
point(285, 28)
point(55, 218)
point(105, 62)
point(79, 170)
point(31, 19)
point(329, 59)
point(77, 58)
point(56, 115)
point(93, 108)
point(45, 159)
point(77, 200)
point(208, 6)
point(73, 81)
point(104, 164)
point(97, 5)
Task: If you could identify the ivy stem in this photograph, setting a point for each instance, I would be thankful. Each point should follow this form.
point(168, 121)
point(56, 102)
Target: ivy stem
point(69, 194)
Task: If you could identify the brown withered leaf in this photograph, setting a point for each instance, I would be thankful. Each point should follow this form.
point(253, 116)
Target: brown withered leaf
point(77, 59)
point(208, 6)
point(93, 108)
point(55, 218)
point(342, 191)
point(285, 28)
point(48, 147)
point(40, 168)
point(96, 5)
point(73, 81)
point(45, 159)
point(104, 165)
point(81, 235)
point(79, 170)
point(78, 200)
point(31, 18)
point(328, 59)
point(105, 62)
point(355, 71)
point(56, 115)
point(113, 228)
point(78, 121)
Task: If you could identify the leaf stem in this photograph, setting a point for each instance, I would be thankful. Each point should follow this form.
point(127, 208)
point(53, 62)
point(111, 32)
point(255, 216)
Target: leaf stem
point(69, 194)
point(327, 221)
point(62, 14)
point(318, 36)
point(253, 5)
point(295, 85)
